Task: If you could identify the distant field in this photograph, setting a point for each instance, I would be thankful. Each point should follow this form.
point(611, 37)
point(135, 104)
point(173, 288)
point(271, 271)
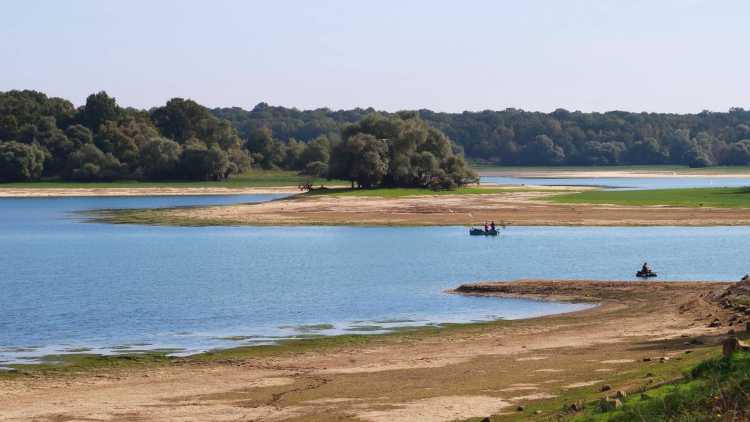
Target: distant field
point(645, 168)
point(406, 192)
point(698, 197)
point(252, 179)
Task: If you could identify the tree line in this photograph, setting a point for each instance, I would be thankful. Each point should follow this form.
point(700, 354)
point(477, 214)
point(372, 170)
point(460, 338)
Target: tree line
point(517, 137)
point(47, 137)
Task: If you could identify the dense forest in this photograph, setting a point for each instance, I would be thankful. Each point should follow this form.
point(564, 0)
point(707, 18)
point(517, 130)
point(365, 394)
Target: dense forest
point(44, 137)
point(47, 137)
point(517, 137)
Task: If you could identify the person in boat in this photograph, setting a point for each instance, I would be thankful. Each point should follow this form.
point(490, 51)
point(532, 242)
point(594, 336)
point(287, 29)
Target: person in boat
point(645, 269)
point(486, 227)
point(492, 226)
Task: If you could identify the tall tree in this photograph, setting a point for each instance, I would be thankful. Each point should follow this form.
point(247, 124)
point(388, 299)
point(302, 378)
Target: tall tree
point(99, 108)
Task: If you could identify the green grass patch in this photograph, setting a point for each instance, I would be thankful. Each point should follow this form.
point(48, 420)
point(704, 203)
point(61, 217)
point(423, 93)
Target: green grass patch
point(695, 197)
point(408, 192)
point(716, 389)
point(643, 375)
point(251, 179)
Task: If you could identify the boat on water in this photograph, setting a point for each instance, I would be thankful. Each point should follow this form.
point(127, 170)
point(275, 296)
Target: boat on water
point(645, 274)
point(482, 232)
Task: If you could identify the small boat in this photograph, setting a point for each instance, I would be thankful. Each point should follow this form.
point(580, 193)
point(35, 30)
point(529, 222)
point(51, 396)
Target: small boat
point(645, 274)
point(481, 232)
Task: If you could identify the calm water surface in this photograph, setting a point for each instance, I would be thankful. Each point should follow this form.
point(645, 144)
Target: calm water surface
point(68, 285)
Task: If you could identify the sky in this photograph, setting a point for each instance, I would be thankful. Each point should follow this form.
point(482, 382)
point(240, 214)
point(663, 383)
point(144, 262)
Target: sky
point(680, 56)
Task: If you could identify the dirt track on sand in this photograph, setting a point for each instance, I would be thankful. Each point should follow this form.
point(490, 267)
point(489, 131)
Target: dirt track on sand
point(519, 207)
point(456, 373)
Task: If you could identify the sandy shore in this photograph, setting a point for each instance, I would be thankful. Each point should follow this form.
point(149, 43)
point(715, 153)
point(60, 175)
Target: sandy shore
point(174, 191)
point(520, 206)
point(567, 174)
point(476, 370)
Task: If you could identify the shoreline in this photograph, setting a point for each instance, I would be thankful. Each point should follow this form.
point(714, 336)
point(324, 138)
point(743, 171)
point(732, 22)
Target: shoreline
point(148, 191)
point(521, 206)
point(31, 191)
point(458, 371)
point(172, 353)
point(549, 173)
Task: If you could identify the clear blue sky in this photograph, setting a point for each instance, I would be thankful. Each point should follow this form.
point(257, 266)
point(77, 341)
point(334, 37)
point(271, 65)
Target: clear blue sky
point(597, 55)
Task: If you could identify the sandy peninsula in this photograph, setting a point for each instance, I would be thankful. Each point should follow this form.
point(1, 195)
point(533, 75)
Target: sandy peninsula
point(514, 206)
point(637, 335)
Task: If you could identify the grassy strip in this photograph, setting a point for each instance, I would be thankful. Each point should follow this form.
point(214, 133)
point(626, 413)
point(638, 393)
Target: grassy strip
point(716, 389)
point(251, 179)
point(558, 408)
point(645, 168)
point(409, 192)
point(695, 197)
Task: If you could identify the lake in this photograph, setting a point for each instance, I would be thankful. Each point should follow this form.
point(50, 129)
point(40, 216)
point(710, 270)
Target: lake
point(69, 285)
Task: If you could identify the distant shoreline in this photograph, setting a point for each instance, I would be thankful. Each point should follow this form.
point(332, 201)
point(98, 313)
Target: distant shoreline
point(550, 173)
point(45, 189)
point(146, 191)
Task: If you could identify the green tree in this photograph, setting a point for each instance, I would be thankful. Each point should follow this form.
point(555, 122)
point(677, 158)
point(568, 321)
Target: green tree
point(200, 162)
point(99, 108)
point(363, 159)
point(160, 158)
point(738, 153)
point(317, 150)
point(20, 162)
point(265, 150)
point(315, 169)
point(90, 163)
point(542, 150)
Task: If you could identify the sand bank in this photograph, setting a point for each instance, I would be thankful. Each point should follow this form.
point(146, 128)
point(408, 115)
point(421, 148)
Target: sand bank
point(517, 206)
